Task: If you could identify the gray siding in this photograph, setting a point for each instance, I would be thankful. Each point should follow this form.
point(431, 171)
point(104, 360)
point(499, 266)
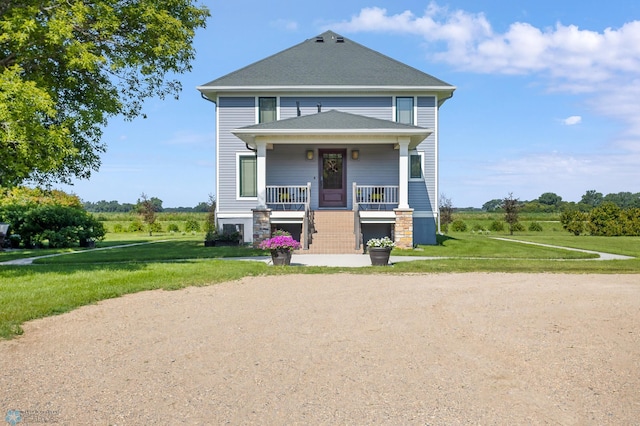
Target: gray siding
point(287, 164)
point(372, 106)
point(233, 112)
point(424, 230)
point(426, 196)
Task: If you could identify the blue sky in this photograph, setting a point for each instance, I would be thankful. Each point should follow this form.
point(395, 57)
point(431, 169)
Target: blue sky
point(547, 99)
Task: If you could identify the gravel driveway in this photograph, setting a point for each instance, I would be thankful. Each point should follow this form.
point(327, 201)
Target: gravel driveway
point(437, 349)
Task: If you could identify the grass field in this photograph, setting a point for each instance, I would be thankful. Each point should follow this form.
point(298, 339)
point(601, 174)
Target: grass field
point(59, 284)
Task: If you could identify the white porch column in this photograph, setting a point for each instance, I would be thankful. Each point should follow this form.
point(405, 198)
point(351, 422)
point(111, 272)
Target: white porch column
point(403, 187)
point(261, 170)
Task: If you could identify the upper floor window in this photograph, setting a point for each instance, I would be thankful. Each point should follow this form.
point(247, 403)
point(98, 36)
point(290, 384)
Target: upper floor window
point(404, 110)
point(266, 110)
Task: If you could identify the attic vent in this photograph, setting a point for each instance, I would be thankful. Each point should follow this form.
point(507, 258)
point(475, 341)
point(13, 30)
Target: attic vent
point(319, 39)
point(340, 39)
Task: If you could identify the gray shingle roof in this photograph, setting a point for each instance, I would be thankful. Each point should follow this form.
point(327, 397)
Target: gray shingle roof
point(336, 123)
point(335, 61)
point(336, 120)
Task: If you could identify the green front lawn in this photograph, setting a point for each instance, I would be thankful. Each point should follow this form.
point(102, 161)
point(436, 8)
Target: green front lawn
point(59, 284)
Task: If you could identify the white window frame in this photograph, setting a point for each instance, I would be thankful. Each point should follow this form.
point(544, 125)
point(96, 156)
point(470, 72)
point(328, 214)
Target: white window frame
point(277, 98)
point(414, 117)
point(238, 196)
point(421, 155)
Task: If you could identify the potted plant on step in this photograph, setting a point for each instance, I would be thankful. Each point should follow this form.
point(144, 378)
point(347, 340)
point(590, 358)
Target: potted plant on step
point(281, 246)
point(379, 250)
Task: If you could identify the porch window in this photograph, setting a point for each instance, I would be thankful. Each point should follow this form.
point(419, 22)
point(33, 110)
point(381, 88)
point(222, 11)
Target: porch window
point(247, 176)
point(266, 110)
point(404, 110)
point(415, 165)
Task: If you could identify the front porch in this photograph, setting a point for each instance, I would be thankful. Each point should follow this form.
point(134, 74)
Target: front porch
point(373, 213)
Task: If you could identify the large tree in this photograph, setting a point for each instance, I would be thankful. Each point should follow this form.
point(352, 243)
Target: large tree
point(67, 66)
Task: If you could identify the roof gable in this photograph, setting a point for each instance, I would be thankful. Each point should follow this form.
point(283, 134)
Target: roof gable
point(327, 60)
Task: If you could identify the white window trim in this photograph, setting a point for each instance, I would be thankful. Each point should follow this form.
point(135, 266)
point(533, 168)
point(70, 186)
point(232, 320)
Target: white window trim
point(238, 197)
point(394, 108)
point(257, 108)
point(421, 154)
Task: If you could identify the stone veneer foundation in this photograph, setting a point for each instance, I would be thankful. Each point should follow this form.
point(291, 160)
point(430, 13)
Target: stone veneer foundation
point(261, 225)
point(403, 230)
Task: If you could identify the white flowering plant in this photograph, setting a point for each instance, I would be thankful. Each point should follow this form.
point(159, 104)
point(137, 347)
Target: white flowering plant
point(385, 242)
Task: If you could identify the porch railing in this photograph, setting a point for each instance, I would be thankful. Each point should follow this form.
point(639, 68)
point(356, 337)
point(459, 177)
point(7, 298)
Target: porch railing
point(293, 197)
point(371, 197)
point(289, 197)
point(374, 197)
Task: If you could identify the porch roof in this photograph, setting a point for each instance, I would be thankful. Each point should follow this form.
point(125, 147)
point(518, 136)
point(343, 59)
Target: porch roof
point(332, 127)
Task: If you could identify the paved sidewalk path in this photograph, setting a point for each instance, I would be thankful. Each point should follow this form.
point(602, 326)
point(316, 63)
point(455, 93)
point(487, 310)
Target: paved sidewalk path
point(602, 256)
point(337, 260)
point(29, 260)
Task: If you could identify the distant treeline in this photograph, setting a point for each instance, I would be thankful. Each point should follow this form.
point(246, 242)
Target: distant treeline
point(104, 206)
point(550, 202)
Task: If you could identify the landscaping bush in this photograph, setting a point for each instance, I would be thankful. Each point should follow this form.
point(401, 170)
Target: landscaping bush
point(61, 226)
point(192, 225)
point(517, 227)
point(458, 226)
point(118, 227)
point(136, 226)
point(477, 228)
point(155, 227)
point(573, 221)
point(605, 220)
point(535, 227)
point(496, 226)
point(172, 227)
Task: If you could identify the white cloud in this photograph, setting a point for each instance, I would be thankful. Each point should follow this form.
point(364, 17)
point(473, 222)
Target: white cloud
point(605, 64)
point(573, 120)
point(284, 24)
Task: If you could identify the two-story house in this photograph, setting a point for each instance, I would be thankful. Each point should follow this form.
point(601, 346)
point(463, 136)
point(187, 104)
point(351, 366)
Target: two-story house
point(331, 141)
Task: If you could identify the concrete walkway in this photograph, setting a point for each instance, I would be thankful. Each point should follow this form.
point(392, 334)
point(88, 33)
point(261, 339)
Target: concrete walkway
point(337, 260)
point(601, 255)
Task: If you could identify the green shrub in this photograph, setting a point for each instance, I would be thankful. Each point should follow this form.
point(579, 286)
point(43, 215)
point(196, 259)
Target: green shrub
point(118, 227)
point(477, 228)
point(535, 227)
point(517, 227)
point(192, 225)
point(136, 226)
point(172, 227)
point(631, 220)
point(458, 226)
point(155, 227)
point(496, 226)
point(604, 220)
point(60, 226)
point(573, 221)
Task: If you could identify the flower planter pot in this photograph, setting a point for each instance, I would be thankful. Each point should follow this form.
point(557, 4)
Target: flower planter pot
point(281, 257)
point(379, 255)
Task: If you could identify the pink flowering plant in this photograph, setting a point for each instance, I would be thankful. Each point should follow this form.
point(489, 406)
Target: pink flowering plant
point(280, 242)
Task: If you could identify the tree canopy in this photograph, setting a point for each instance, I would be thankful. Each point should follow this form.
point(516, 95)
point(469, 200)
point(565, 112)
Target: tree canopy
point(67, 66)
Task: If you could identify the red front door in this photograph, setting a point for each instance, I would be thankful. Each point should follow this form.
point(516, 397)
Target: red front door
point(333, 188)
